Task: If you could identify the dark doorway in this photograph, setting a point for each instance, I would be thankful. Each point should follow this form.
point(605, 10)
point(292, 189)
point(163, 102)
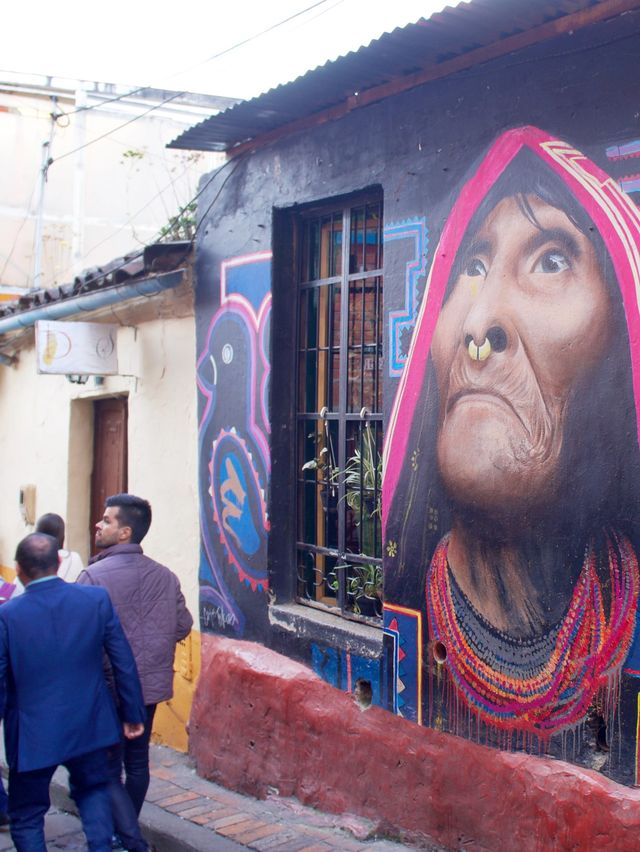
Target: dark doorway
point(109, 455)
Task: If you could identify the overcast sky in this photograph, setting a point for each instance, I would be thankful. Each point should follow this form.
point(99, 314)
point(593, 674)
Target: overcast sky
point(136, 42)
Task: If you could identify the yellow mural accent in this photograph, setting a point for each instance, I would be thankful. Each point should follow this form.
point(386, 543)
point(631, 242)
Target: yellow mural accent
point(170, 723)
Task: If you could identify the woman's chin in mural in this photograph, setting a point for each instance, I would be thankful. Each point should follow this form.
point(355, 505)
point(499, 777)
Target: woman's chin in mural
point(489, 461)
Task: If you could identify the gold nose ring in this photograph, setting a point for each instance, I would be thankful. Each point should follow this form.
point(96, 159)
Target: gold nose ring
point(479, 353)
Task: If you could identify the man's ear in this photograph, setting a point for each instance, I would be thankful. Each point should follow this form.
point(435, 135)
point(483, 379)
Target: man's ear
point(125, 533)
point(21, 575)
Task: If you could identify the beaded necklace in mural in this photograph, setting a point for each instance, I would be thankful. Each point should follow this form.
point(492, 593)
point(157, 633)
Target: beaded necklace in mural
point(544, 684)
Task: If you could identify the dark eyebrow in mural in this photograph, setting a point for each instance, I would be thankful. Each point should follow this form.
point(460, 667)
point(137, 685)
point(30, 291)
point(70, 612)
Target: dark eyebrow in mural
point(560, 236)
point(478, 247)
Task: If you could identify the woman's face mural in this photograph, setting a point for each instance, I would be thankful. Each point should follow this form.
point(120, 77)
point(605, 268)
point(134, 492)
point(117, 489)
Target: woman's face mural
point(527, 317)
point(512, 458)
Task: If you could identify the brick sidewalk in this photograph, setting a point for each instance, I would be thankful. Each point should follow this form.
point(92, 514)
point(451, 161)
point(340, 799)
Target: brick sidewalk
point(185, 813)
point(274, 824)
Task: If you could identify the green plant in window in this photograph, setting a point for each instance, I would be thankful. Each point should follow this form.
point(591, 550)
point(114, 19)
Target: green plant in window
point(363, 495)
point(362, 475)
point(363, 482)
point(364, 582)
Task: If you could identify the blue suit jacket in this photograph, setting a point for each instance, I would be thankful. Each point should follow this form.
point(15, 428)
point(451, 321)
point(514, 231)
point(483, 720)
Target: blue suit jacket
point(53, 694)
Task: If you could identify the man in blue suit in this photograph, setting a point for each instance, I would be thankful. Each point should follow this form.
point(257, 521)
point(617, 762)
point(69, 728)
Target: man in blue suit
point(54, 698)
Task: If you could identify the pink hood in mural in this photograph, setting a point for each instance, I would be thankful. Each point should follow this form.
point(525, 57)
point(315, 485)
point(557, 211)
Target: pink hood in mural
point(612, 212)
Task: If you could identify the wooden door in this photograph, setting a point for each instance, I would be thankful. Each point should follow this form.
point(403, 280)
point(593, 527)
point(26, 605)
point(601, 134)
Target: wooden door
point(109, 455)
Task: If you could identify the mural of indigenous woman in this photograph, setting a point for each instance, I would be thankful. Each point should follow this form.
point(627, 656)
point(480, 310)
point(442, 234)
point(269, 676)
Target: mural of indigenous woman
point(512, 471)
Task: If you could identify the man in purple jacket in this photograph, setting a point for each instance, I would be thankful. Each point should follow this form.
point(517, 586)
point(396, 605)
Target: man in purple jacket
point(152, 610)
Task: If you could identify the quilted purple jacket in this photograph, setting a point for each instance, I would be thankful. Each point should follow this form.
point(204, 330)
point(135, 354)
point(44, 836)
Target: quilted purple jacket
point(147, 598)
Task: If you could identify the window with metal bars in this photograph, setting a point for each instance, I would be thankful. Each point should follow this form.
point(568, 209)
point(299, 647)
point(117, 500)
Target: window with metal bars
point(339, 408)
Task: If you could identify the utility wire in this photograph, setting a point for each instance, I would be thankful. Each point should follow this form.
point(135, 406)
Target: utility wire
point(115, 129)
point(133, 216)
point(177, 94)
point(24, 221)
point(235, 162)
point(251, 38)
point(136, 254)
point(229, 49)
point(107, 101)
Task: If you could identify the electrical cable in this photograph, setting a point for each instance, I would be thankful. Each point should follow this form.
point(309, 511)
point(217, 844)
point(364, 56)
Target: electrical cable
point(115, 129)
point(130, 220)
point(24, 221)
point(180, 94)
point(237, 162)
point(107, 101)
point(136, 254)
point(175, 95)
point(229, 49)
point(250, 38)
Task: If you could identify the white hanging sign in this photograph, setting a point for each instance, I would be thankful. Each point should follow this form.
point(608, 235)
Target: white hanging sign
point(85, 348)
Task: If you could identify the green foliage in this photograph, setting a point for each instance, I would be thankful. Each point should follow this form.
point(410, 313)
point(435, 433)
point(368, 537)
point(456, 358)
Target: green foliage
point(182, 226)
point(362, 477)
point(133, 154)
point(363, 581)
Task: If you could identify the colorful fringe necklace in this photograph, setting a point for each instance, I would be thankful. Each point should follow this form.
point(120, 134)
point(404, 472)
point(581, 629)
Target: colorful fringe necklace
point(544, 685)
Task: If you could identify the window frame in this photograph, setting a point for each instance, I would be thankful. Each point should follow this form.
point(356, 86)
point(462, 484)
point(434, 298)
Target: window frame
point(342, 416)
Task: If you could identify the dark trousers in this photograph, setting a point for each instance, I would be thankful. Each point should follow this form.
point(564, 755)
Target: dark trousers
point(136, 762)
point(125, 819)
point(89, 787)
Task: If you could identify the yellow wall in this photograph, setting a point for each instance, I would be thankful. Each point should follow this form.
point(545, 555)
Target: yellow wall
point(7, 573)
point(46, 439)
point(170, 723)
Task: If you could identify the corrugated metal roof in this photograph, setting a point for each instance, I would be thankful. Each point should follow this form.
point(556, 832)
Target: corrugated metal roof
point(448, 34)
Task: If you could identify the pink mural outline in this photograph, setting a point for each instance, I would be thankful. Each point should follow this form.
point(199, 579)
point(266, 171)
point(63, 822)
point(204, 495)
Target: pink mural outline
point(239, 304)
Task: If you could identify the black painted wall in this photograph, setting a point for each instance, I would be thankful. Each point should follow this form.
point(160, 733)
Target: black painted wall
point(420, 147)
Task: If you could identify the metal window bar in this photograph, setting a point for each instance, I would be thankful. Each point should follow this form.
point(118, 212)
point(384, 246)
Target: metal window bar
point(346, 564)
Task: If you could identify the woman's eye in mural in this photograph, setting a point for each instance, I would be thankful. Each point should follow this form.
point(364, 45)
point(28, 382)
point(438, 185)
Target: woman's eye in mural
point(475, 267)
point(551, 262)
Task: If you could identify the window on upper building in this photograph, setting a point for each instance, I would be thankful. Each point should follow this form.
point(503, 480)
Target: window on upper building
point(338, 407)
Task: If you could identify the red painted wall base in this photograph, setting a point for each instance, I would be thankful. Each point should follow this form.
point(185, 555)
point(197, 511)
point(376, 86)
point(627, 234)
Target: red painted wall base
point(260, 720)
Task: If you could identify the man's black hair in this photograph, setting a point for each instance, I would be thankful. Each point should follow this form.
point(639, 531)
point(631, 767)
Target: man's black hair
point(37, 555)
point(51, 524)
point(133, 512)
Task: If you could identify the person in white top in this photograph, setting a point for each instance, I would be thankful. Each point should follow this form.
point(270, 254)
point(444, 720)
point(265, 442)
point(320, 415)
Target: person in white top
point(70, 563)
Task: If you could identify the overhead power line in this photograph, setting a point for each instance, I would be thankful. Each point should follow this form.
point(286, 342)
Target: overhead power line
point(255, 36)
point(115, 129)
point(221, 53)
point(175, 94)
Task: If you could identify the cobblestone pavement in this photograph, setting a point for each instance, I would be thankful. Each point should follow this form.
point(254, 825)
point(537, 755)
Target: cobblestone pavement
point(273, 824)
point(62, 831)
point(185, 813)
